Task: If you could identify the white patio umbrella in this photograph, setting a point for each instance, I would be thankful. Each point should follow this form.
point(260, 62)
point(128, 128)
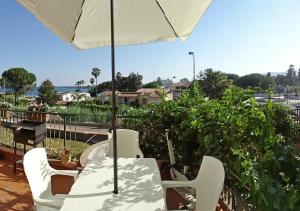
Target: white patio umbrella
point(98, 23)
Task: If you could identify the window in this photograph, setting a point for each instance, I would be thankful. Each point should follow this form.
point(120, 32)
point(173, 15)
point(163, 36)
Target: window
point(144, 101)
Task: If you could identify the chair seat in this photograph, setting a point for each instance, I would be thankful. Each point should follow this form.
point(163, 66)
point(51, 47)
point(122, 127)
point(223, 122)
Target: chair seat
point(100, 148)
point(58, 198)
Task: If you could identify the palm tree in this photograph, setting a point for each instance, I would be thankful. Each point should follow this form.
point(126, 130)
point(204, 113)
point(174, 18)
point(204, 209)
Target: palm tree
point(92, 81)
point(82, 82)
point(96, 72)
point(78, 85)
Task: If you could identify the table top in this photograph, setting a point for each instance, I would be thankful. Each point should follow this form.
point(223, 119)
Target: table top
point(139, 186)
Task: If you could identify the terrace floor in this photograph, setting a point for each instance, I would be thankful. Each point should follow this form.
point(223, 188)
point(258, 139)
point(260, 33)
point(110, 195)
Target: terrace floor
point(15, 194)
point(14, 190)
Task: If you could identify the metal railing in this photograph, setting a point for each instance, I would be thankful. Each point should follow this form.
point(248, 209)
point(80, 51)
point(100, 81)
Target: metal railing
point(234, 199)
point(63, 130)
point(295, 114)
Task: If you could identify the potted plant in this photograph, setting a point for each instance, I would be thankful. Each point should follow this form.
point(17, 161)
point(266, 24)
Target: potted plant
point(64, 156)
point(36, 111)
point(4, 107)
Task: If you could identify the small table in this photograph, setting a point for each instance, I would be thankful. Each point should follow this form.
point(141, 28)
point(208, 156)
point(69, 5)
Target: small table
point(139, 186)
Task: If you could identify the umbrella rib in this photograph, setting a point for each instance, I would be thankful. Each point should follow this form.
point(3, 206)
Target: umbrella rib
point(78, 21)
point(162, 10)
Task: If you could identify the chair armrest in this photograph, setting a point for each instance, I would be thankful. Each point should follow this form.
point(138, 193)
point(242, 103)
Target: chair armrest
point(48, 203)
point(176, 184)
point(140, 153)
point(72, 173)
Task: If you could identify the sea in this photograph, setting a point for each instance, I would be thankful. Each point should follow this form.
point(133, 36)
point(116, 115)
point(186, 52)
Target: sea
point(34, 92)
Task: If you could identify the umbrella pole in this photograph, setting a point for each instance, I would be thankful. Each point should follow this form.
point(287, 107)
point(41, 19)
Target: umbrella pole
point(114, 118)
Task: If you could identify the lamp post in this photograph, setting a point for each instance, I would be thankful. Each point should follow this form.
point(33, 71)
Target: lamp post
point(287, 92)
point(192, 53)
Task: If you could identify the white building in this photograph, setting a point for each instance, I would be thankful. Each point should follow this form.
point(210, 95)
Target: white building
point(74, 96)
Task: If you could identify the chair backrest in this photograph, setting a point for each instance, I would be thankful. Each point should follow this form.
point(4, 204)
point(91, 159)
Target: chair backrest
point(209, 184)
point(127, 143)
point(95, 150)
point(38, 171)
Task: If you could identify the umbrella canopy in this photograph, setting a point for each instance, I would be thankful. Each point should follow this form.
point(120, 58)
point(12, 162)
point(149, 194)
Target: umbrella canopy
point(99, 23)
point(86, 23)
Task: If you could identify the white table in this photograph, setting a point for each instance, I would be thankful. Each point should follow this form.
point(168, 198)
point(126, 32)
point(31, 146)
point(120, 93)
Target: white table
point(139, 181)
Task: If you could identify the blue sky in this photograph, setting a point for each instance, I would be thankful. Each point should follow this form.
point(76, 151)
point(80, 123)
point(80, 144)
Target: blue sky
point(234, 36)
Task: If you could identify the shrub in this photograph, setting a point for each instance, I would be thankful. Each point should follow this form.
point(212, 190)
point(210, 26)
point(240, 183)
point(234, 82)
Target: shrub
point(83, 114)
point(5, 105)
point(90, 105)
point(23, 102)
point(38, 107)
point(254, 141)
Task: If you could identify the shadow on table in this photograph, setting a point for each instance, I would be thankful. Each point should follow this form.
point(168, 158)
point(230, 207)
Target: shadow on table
point(137, 187)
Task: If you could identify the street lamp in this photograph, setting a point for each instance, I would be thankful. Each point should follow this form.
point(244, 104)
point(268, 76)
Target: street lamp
point(192, 53)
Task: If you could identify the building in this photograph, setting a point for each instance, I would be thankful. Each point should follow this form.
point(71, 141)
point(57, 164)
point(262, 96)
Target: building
point(151, 95)
point(177, 89)
point(141, 97)
point(73, 96)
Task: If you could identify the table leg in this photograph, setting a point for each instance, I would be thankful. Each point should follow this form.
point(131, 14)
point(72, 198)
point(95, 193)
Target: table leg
point(15, 152)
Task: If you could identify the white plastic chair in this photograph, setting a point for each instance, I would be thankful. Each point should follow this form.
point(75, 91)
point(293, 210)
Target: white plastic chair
point(39, 172)
point(208, 184)
point(127, 144)
point(95, 150)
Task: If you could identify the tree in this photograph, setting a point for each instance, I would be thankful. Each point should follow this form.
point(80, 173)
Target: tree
point(255, 80)
point(153, 84)
point(100, 87)
point(96, 72)
point(159, 81)
point(232, 77)
point(48, 93)
point(132, 82)
point(167, 82)
point(185, 81)
point(82, 82)
point(214, 83)
point(105, 86)
point(281, 80)
point(291, 74)
point(79, 84)
point(92, 81)
point(19, 80)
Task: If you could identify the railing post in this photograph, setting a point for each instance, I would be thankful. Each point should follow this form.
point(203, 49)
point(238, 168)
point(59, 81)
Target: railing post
point(65, 132)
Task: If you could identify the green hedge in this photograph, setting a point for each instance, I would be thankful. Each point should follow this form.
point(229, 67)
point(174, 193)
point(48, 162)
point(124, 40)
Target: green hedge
point(254, 141)
point(92, 105)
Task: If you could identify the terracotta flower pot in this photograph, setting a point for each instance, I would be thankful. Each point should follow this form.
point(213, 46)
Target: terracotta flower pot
point(39, 117)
